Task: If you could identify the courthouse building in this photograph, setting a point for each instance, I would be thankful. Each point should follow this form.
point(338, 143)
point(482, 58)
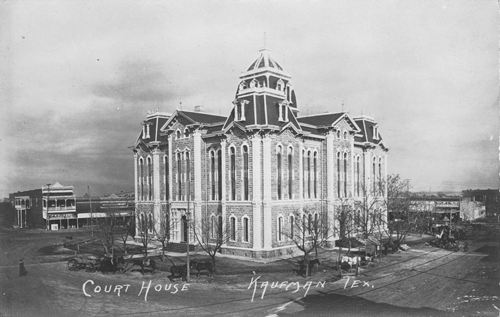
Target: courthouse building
point(253, 170)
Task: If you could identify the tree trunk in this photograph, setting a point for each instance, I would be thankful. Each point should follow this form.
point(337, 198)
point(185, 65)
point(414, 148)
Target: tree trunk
point(213, 261)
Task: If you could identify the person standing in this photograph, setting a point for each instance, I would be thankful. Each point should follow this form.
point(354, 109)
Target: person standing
point(22, 269)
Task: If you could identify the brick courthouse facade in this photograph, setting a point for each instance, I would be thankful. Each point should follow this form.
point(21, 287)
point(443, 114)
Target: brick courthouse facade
point(251, 171)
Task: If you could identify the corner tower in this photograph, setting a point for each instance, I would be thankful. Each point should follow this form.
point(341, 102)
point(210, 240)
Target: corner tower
point(265, 98)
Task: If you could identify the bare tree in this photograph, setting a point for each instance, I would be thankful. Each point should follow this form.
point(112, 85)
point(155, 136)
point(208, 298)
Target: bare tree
point(144, 226)
point(211, 236)
point(346, 228)
point(306, 232)
point(125, 229)
point(165, 227)
point(107, 231)
point(403, 217)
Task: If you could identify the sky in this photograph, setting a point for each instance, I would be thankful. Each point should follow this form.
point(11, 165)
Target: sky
point(78, 77)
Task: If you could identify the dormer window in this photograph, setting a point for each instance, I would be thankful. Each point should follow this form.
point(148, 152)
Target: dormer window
point(283, 112)
point(375, 132)
point(280, 85)
point(242, 85)
point(239, 110)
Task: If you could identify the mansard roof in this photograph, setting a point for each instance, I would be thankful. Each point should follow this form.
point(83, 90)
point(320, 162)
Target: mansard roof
point(202, 117)
point(366, 135)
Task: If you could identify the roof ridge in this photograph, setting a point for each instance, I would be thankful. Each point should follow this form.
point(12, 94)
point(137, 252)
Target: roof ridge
point(320, 114)
point(207, 113)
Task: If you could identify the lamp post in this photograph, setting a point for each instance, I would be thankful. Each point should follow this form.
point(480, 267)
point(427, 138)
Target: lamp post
point(188, 214)
point(48, 196)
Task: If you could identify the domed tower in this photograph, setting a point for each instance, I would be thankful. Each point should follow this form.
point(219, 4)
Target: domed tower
point(265, 96)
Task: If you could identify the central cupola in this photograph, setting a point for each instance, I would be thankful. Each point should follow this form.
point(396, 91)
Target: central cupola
point(266, 76)
point(265, 96)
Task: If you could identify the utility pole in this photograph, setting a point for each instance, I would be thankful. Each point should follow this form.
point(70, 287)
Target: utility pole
point(91, 214)
point(48, 196)
point(188, 213)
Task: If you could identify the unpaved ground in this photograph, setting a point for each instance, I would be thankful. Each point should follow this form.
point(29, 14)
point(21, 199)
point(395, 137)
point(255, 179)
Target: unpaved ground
point(424, 281)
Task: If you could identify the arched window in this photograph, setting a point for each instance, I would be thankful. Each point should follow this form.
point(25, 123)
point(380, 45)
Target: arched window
point(338, 174)
point(150, 179)
point(188, 175)
point(345, 135)
point(338, 134)
point(219, 174)
point(310, 223)
point(179, 176)
point(233, 173)
point(290, 172)
point(178, 134)
point(213, 226)
point(309, 174)
point(374, 176)
point(245, 229)
point(304, 182)
point(245, 174)
point(380, 176)
point(280, 228)
point(141, 179)
point(315, 170)
point(279, 171)
point(150, 223)
point(167, 184)
point(232, 220)
point(345, 174)
point(186, 132)
point(142, 224)
point(212, 174)
point(292, 224)
point(357, 175)
point(219, 228)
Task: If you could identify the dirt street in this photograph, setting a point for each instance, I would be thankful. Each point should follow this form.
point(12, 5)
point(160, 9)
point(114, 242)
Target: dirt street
point(423, 281)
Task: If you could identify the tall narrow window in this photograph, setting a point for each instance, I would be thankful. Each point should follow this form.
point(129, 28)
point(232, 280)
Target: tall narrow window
point(167, 184)
point(338, 174)
point(304, 174)
point(219, 228)
point(280, 228)
point(233, 174)
point(188, 176)
point(292, 224)
point(150, 179)
point(309, 224)
point(245, 173)
point(212, 174)
point(179, 177)
point(309, 174)
point(141, 179)
point(219, 174)
point(290, 173)
point(245, 229)
point(380, 176)
point(213, 227)
point(374, 176)
point(315, 171)
point(279, 171)
point(345, 174)
point(357, 176)
point(233, 228)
